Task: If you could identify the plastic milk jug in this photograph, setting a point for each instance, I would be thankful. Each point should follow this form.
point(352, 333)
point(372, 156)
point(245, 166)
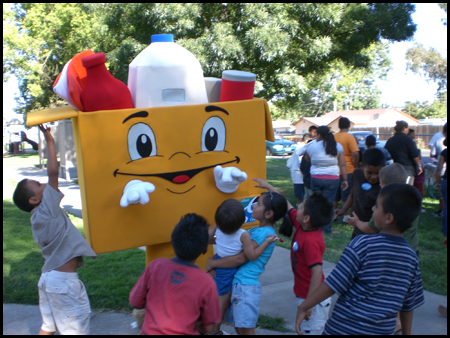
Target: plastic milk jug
point(166, 74)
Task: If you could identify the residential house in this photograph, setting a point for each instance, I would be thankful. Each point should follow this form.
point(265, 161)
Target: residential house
point(369, 118)
point(282, 126)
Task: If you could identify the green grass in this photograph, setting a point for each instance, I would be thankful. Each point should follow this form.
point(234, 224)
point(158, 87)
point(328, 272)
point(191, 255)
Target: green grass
point(272, 323)
point(21, 160)
point(111, 276)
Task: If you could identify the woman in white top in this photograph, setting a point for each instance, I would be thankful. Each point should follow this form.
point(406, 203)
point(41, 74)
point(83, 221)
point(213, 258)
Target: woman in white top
point(327, 160)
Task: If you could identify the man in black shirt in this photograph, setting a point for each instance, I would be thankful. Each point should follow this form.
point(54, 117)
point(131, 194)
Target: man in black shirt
point(403, 150)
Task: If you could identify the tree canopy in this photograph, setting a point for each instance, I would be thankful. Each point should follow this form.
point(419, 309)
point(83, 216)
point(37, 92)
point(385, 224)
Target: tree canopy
point(289, 47)
point(421, 110)
point(429, 63)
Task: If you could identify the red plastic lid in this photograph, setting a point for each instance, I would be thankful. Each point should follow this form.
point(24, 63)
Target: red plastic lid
point(93, 60)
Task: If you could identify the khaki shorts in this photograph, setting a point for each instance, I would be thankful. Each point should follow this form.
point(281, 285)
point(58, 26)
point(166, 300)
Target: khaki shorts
point(64, 303)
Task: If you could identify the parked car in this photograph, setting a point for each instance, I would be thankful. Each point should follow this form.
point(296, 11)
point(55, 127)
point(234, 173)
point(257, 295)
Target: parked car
point(361, 138)
point(281, 146)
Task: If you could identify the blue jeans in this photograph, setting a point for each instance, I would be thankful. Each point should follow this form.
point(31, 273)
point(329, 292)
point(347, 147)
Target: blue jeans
point(444, 216)
point(329, 189)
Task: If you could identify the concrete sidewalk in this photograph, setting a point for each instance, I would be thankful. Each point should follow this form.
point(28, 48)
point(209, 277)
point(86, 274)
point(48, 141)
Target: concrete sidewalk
point(277, 287)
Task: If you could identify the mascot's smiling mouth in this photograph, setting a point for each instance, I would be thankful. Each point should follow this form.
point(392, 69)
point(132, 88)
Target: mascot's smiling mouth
point(178, 177)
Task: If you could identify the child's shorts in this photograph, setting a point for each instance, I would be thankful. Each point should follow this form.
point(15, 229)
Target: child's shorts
point(244, 308)
point(299, 190)
point(64, 303)
point(318, 319)
point(224, 278)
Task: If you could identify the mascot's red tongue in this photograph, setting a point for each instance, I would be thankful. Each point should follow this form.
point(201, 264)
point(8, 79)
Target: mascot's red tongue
point(181, 179)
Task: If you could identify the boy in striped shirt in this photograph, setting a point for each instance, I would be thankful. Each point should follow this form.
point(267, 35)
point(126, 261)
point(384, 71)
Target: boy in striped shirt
point(377, 275)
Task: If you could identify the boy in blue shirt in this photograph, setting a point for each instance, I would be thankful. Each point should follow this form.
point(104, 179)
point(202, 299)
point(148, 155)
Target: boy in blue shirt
point(377, 275)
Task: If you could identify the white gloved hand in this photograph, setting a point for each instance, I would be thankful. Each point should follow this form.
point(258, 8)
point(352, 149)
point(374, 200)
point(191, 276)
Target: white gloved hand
point(228, 178)
point(136, 191)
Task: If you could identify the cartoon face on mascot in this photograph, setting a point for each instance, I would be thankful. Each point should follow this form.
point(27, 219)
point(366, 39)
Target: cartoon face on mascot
point(141, 170)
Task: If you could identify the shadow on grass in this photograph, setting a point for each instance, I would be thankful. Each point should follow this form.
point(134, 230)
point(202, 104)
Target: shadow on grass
point(21, 278)
point(19, 155)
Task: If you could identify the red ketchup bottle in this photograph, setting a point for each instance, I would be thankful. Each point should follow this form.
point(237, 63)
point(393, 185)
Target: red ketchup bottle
point(102, 90)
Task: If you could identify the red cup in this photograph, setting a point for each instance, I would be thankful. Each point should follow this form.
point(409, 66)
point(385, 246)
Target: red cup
point(237, 85)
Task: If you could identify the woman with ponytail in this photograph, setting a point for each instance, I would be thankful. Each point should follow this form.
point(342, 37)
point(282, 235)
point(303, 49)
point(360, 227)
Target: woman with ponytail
point(327, 160)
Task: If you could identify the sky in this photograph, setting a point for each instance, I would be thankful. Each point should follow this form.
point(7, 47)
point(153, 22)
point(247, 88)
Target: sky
point(400, 86)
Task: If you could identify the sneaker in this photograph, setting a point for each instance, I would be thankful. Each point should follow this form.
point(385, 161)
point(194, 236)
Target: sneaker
point(422, 211)
point(344, 219)
point(438, 213)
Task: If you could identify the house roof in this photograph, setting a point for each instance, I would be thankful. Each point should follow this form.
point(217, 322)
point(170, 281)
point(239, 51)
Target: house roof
point(325, 120)
point(14, 121)
point(357, 117)
point(368, 112)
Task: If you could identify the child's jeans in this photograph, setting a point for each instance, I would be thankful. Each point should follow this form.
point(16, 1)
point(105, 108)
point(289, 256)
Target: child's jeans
point(224, 278)
point(64, 303)
point(318, 319)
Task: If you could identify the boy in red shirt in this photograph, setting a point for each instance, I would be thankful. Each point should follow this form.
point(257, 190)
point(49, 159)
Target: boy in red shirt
point(308, 247)
point(179, 297)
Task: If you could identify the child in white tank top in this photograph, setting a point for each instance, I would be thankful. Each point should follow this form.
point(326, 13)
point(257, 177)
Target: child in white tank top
point(230, 240)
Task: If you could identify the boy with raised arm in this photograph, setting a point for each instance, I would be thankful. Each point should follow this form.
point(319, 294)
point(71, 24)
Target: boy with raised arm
point(63, 300)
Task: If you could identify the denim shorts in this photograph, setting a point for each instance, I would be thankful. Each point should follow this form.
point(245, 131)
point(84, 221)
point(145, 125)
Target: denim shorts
point(224, 278)
point(244, 309)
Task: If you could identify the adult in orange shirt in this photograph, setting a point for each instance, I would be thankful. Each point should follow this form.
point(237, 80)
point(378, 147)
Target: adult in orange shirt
point(351, 152)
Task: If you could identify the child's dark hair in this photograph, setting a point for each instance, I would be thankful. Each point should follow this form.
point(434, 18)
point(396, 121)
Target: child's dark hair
point(371, 141)
point(329, 142)
point(306, 136)
point(373, 156)
point(320, 210)
point(275, 202)
point(190, 237)
point(403, 201)
point(230, 216)
point(278, 204)
point(393, 173)
point(344, 123)
point(22, 195)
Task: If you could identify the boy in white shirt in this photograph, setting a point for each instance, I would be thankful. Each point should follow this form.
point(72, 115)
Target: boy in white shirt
point(230, 240)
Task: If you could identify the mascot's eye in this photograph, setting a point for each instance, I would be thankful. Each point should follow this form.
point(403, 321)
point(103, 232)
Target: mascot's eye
point(213, 135)
point(141, 141)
